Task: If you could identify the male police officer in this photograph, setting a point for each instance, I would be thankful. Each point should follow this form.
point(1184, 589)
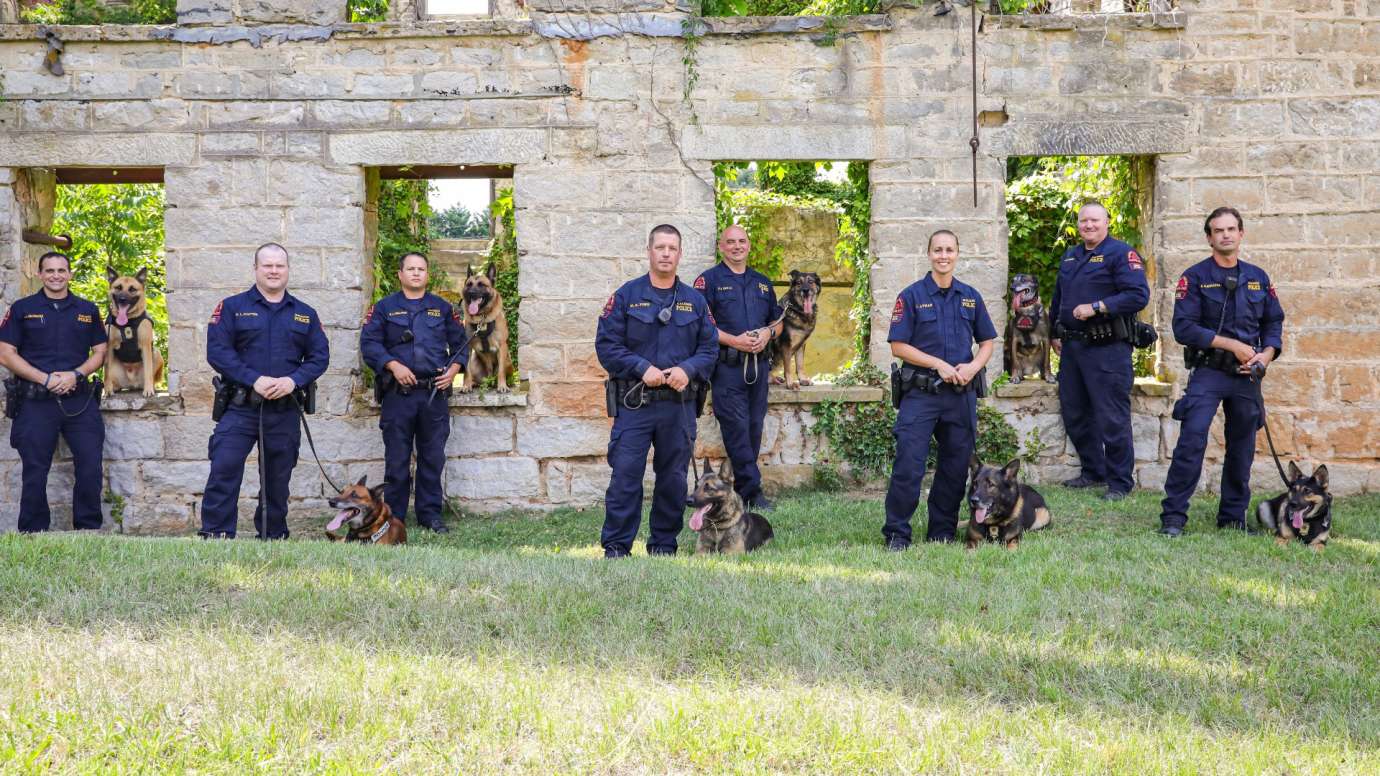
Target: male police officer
point(657, 340)
point(52, 341)
point(744, 307)
point(414, 342)
point(1100, 288)
point(1227, 317)
point(268, 346)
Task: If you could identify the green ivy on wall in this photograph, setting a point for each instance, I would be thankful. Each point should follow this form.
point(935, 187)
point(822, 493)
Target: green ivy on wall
point(503, 254)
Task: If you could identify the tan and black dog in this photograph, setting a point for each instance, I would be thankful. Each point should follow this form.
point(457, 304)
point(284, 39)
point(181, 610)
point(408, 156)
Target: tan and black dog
point(369, 518)
point(1027, 332)
point(131, 361)
point(798, 324)
point(487, 328)
point(722, 521)
point(1302, 512)
point(1002, 508)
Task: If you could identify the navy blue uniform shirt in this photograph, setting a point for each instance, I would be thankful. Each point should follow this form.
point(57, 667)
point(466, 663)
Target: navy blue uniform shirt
point(249, 338)
point(739, 302)
point(943, 323)
point(630, 339)
point(1112, 273)
point(1252, 314)
point(53, 335)
point(438, 338)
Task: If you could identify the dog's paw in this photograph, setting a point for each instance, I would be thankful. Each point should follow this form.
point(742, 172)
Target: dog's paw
point(465, 389)
point(503, 389)
point(148, 393)
point(1016, 379)
point(806, 381)
point(777, 380)
point(794, 386)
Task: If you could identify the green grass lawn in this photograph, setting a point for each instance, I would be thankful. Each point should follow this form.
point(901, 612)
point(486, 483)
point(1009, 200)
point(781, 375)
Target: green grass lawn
point(510, 645)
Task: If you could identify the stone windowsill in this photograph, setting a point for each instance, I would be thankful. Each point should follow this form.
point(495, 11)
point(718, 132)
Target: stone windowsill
point(814, 394)
point(1033, 386)
point(134, 401)
point(1172, 20)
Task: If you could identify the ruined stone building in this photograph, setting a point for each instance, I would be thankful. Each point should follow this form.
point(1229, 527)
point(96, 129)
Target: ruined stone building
point(273, 120)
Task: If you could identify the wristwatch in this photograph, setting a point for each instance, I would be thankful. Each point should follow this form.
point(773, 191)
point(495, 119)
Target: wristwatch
point(1100, 306)
point(78, 373)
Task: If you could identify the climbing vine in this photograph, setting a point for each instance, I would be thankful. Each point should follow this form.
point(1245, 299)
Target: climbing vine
point(503, 255)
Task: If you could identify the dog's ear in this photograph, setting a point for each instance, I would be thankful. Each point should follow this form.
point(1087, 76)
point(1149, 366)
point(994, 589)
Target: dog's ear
point(707, 468)
point(1012, 469)
point(362, 480)
point(1294, 472)
point(1320, 475)
point(376, 492)
point(142, 275)
point(110, 274)
point(726, 470)
point(469, 271)
point(493, 272)
point(795, 273)
point(974, 464)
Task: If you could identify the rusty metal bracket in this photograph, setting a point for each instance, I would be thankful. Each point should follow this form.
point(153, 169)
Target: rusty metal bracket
point(53, 59)
point(35, 237)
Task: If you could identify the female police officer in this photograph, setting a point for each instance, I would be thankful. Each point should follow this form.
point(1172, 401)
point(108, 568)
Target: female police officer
point(933, 327)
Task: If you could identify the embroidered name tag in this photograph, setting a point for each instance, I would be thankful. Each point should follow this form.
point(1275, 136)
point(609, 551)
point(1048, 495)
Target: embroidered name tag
point(397, 312)
point(763, 287)
point(433, 313)
point(1253, 285)
point(83, 318)
point(970, 303)
point(723, 288)
point(1095, 259)
point(924, 306)
point(1211, 285)
point(247, 315)
point(639, 304)
point(685, 307)
point(298, 317)
point(34, 316)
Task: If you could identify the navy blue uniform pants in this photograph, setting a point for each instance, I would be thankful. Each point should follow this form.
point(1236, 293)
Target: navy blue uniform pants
point(669, 428)
point(741, 408)
point(1208, 388)
point(407, 421)
point(951, 420)
point(236, 434)
point(34, 434)
point(1095, 401)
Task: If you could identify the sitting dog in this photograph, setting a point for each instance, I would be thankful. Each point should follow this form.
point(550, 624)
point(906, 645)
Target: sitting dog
point(798, 324)
point(724, 524)
point(369, 518)
point(131, 362)
point(1303, 512)
point(1002, 508)
point(487, 328)
point(1027, 332)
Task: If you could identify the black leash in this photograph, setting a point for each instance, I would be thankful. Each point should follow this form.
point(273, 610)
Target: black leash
point(310, 442)
point(1258, 378)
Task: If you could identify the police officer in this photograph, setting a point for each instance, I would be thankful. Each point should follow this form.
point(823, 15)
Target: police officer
point(414, 342)
point(1100, 281)
point(744, 307)
point(52, 341)
point(268, 346)
point(934, 324)
point(1227, 317)
point(658, 343)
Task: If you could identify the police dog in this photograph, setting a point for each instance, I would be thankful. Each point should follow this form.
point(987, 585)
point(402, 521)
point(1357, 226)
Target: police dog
point(131, 361)
point(1002, 508)
point(798, 324)
point(1027, 332)
point(487, 328)
point(723, 523)
point(370, 520)
point(1303, 512)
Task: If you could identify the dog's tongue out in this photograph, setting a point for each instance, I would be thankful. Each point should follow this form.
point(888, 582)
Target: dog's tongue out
point(338, 520)
point(697, 519)
point(122, 315)
point(473, 307)
point(809, 305)
point(1296, 518)
point(980, 514)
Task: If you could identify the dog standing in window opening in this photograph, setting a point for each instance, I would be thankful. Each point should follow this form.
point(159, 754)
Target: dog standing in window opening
point(131, 361)
point(1027, 332)
point(798, 324)
point(487, 329)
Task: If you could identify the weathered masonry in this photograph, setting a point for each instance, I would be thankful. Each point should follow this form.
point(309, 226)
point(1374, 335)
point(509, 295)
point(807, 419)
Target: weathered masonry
point(271, 124)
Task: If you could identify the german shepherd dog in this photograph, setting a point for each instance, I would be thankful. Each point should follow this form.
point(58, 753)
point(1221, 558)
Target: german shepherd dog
point(487, 328)
point(723, 523)
point(799, 323)
point(1303, 512)
point(131, 361)
point(1027, 332)
point(1002, 508)
point(369, 518)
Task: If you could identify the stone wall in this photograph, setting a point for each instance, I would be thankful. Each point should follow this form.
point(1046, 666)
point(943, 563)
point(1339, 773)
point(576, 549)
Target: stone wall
point(266, 120)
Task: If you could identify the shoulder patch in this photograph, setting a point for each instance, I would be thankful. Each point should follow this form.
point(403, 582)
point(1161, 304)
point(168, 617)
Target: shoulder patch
point(699, 283)
point(1133, 261)
point(608, 308)
point(368, 315)
point(455, 314)
point(898, 311)
point(6, 319)
point(1181, 290)
point(215, 314)
point(1273, 294)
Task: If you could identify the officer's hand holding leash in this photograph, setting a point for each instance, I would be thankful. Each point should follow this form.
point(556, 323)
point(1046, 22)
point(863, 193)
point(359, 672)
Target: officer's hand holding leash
point(1258, 361)
point(653, 377)
point(948, 373)
point(62, 383)
point(677, 378)
point(967, 371)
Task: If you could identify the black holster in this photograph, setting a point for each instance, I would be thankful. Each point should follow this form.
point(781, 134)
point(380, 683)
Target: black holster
point(306, 398)
point(701, 390)
point(1212, 358)
point(611, 397)
point(12, 400)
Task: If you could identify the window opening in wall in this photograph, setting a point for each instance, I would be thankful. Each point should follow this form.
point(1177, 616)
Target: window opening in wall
point(811, 216)
point(1080, 6)
point(1043, 194)
point(788, 7)
point(458, 7)
point(114, 218)
point(461, 217)
point(98, 11)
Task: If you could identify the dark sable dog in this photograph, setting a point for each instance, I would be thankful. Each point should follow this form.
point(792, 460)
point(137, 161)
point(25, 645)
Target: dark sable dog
point(1302, 512)
point(1027, 332)
point(487, 328)
point(1002, 508)
point(799, 322)
point(131, 362)
point(369, 518)
point(724, 524)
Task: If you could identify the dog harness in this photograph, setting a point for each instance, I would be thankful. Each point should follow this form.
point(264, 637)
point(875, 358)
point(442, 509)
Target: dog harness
point(482, 331)
point(128, 352)
point(1029, 321)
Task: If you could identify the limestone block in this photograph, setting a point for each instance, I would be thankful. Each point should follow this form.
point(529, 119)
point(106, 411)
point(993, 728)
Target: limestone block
point(132, 438)
point(318, 226)
point(798, 445)
point(787, 142)
point(165, 478)
point(291, 11)
point(228, 182)
point(186, 437)
point(480, 435)
point(589, 482)
point(341, 439)
point(493, 478)
point(255, 114)
point(54, 115)
point(218, 83)
point(190, 12)
point(352, 113)
point(380, 85)
point(1145, 434)
point(143, 114)
point(290, 181)
point(342, 269)
point(1354, 117)
point(158, 518)
point(473, 146)
point(308, 84)
point(230, 143)
point(194, 227)
point(1043, 138)
point(449, 82)
point(555, 437)
point(27, 83)
point(102, 149)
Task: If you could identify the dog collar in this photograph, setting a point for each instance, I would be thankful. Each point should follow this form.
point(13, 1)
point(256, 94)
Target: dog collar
point(374, 539)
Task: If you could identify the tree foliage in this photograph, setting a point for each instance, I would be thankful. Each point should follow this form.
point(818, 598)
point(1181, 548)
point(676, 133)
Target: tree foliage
point(789, 7)
point(120, 225)
point(458, 222)
point(367, 10)
point(404, 227)
point(97, 12)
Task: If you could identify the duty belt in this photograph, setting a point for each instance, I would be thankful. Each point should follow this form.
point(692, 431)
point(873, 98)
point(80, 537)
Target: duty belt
point(1213, 358)
point(730, 356)
point(906, 378)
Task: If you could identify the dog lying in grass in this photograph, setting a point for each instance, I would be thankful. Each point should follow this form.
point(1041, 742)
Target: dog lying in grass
point(1302, 512)
point(370, 520)
point(722, 521)
point(1002, 508)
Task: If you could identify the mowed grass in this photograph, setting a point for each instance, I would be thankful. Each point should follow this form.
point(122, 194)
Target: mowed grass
point(511, 646)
